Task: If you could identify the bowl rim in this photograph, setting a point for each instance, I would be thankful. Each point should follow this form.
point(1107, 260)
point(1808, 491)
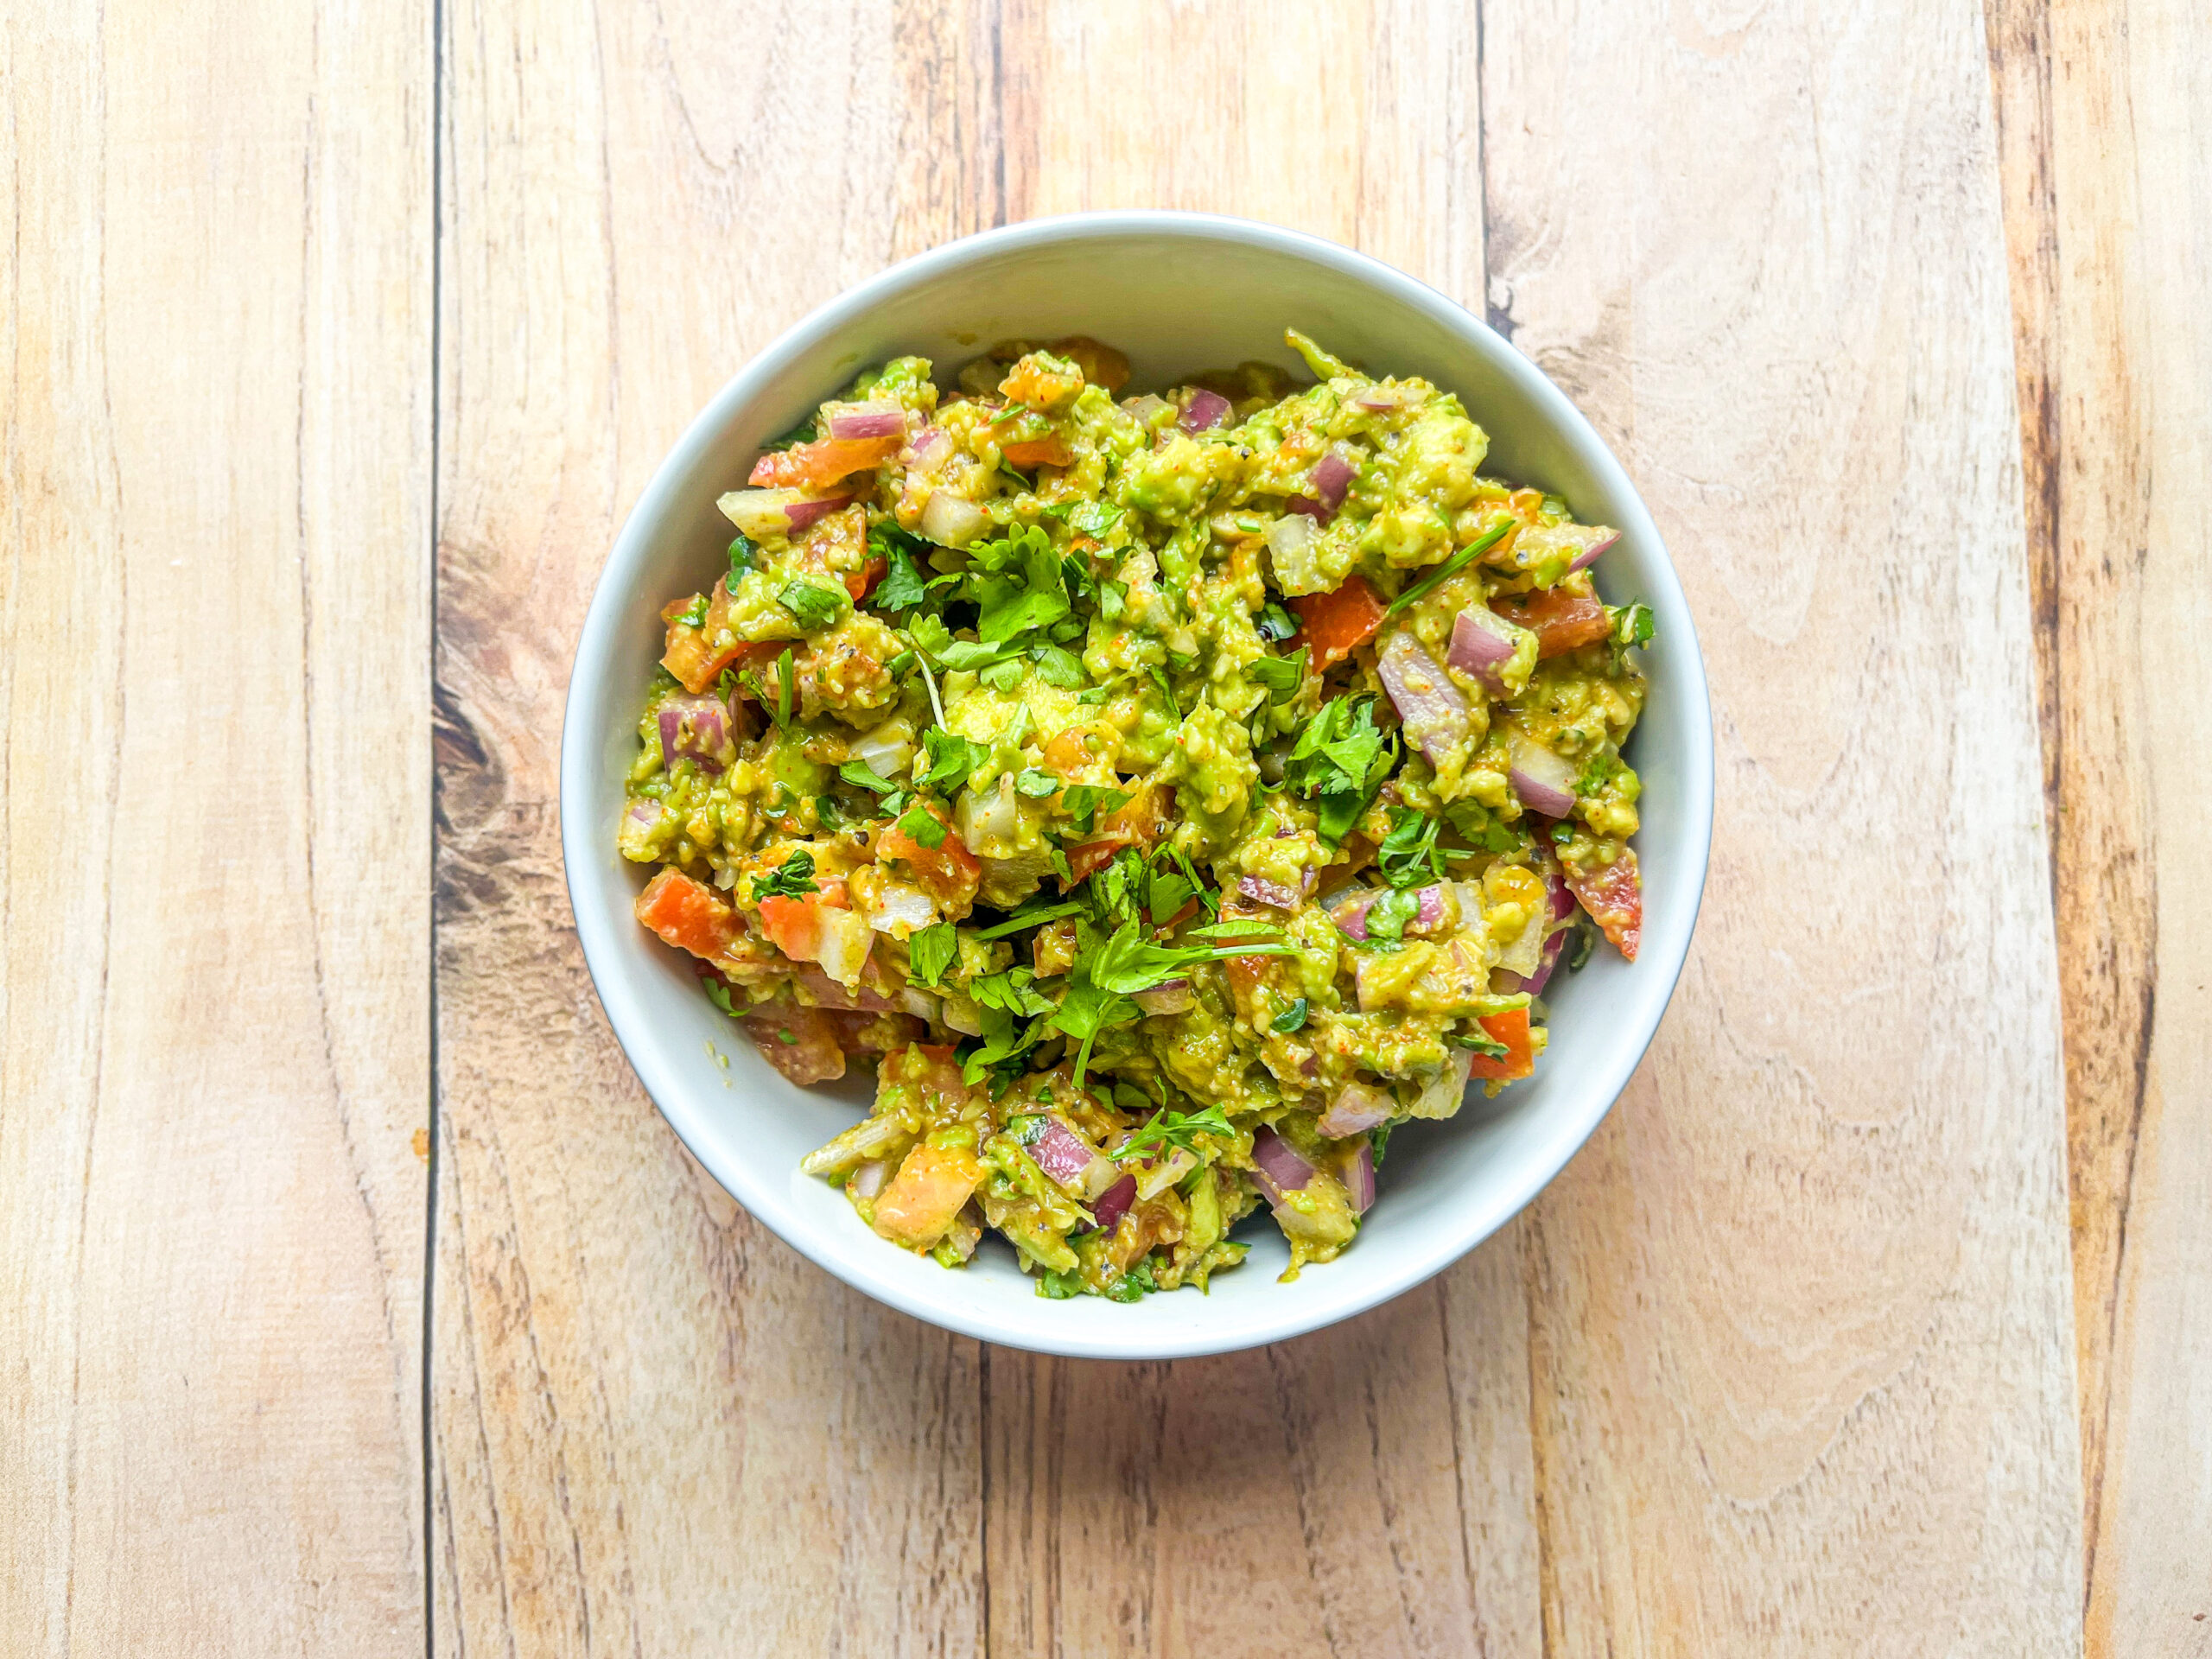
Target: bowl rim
point(606, 616)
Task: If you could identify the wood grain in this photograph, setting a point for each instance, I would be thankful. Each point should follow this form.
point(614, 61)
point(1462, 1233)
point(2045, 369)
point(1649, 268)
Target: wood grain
point(214, 867)
point(1799, 1326)
point(2108, 173)
point(656, 1429)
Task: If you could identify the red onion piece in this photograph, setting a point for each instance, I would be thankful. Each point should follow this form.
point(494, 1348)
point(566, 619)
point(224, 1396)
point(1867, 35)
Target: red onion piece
point(950, 522)
point(1260, 890)
point(647, 812)
point(1310, 507)
point(1432, 915)
point(1356, 1110)
point(868, 421)
point(1350, 914)
point(800, 514)
point(1061, 1154)
point(1381, 400)
point(1433, 712)
point(1544, 782)
point(1482, 642)
point(1206, 410)
point(1554, 943)
point(1174, 997)
point(1359, 1179)
point(1114, 1203)
point(1277, 1166)
point(1554, 883)
point(1332, 477)
point(831, 994)
point(868, 1179)
point(1445, 1096)
point(694, 728)
point(1600, 540)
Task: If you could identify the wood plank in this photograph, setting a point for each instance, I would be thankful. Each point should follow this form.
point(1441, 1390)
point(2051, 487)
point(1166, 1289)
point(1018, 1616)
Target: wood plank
point(2108, 170)
point(1368, 1489)
point(1800, 1335)
point(657, 1429)
point(214, 867)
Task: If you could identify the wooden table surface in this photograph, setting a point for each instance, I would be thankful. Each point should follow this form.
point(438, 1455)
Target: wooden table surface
point(354, 1298)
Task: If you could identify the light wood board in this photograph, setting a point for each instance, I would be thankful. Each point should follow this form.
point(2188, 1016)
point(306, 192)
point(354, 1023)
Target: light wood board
point(1896, 316)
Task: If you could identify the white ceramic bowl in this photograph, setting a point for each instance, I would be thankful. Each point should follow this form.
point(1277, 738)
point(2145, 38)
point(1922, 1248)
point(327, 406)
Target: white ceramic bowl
point(1179, 293)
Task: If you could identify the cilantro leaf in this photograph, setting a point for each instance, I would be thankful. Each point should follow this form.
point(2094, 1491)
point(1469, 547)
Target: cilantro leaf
point(1171, 1131)
point(1056, 666)
point(793, 878)
point(931, 951)
point(921, 826)
point(953, 758)
point(1275, 624)
point(1409, 853)
point(1019, 587)
point(1036, 784)
point(743, 556)
point(718, 993)
point(1339, 760)
point(694, 615)
point(1013, 991)
point(805, 432)
point(1452, 566)
point(1281, 676)
point(1291, 1017)
point(861, 775)
point(1387, 916)
point(812, 605)
point(901, 587)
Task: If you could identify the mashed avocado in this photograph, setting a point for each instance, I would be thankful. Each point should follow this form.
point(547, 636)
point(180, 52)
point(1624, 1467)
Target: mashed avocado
point(1172, 792)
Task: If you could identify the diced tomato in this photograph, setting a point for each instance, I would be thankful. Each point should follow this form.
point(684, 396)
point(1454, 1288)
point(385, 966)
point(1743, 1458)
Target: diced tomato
point(861, 582)
point(949, 872)
point(1510, 1028)
point(930, 1067)
point(693, 655)
point(817, 464)
point(1332, 624)
point(794, 925)
point(1101, 364)
point(1075, 750)
point(925, 1195)
point(1039, 452)
point(688, 914)
point(801, 1043)
point(1561, 621)
point(1614, 897)
point(1139, 821)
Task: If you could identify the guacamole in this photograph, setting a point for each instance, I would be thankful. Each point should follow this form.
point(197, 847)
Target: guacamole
point(1171, 793)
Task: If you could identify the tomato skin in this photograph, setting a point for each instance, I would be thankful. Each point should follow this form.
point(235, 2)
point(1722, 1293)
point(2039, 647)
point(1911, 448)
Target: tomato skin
point(1561, 621)
point(1139, 821)
point(817, 464)
point(1519, 1060)
point(949, 872)
point(927, 1195)
point(801, 1043)
point(1331, 625)
point(794, 925)
point(861, 582)
point(1614, 895)
point(1039, 452)
point(688, 914)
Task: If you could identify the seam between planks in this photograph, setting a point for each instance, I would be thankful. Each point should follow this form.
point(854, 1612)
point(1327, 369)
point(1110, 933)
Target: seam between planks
point(437, 21)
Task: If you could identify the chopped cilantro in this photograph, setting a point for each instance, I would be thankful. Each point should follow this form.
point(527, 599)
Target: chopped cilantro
point(1452, 566)
point(805, 432)
point(1173, 1131)
point(1275, 624)
point(793, 878)
point(1060, 1286)
point(953, 760)
point(1409, 854)
point(901, 587)
point(1036, 784)
point(1281, 676)
point(813, 606)
point(743, 556)
point(931, 951)
point(921, 826)
point(861, 775)
point(1291, 1017)
point(694, 615)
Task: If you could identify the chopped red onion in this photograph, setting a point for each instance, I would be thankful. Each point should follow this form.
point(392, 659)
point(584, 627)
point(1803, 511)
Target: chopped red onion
point(923, 1005)
point(1544, 782)
point(1061, 1154)
point(1260, 890)
point(1554, 943)
point(1356, 1110)
point(1310, 507)
point(1554, 883)
point(1359, 1175)
point(1600, 539)
point(868, 1179)
point(1433, 712)
point(1114, 1203)
point(694, 728)
point(646, 812)
point(800, 514)
point(1277, 1166)
point(924, 448)
point(1432, 918)
point(1148, 408)
point(1350, 912)
point(950, 522)
point(1174, 997)
point(1206, 410)
point(1444, 1097)
point(1482, 642)
point(868, 421)
point(1381, 400)
point(831, 994)
point(1332, 476)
